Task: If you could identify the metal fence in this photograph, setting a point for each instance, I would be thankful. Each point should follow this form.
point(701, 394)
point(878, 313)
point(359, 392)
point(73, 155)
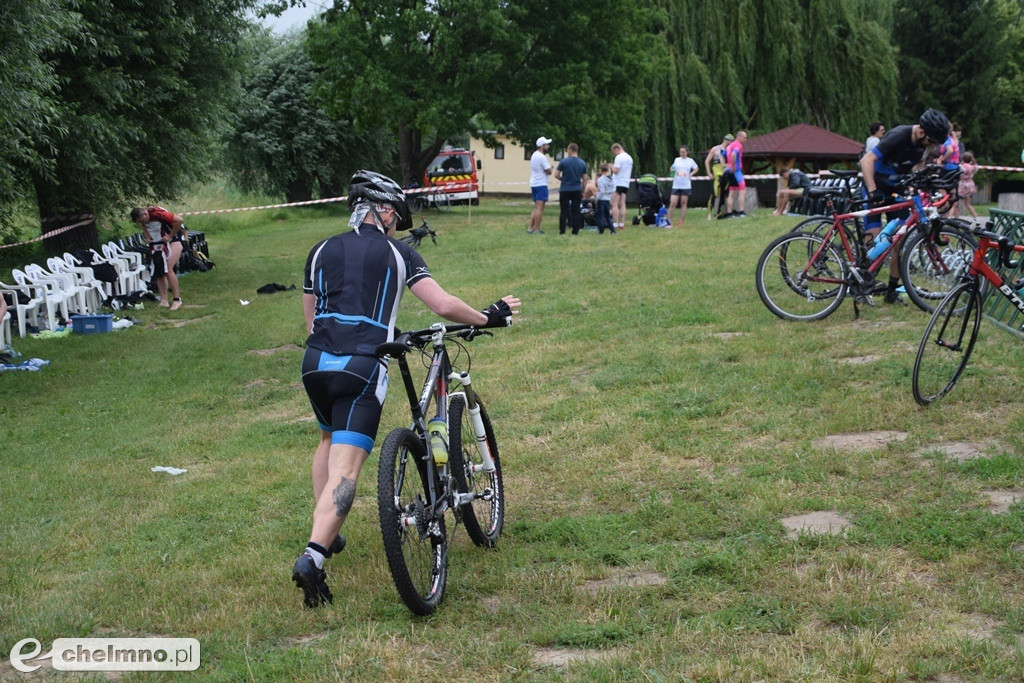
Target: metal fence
point(997, 308)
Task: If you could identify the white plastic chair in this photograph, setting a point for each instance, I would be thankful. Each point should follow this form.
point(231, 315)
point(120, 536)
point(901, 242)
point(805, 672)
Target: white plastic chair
point(75, 264)
point(67, 286)
point(84, 278)
point(130, 274)
point(53, 297)
point(25, 310)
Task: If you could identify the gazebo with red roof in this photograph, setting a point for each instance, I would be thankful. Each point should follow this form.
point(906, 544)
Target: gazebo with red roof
point(815, 147)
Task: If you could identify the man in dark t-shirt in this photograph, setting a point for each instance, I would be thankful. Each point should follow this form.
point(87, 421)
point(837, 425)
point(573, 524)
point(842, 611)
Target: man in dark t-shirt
point(899, 152)
point(351, 291)
point(570, 172)
point(798, 183)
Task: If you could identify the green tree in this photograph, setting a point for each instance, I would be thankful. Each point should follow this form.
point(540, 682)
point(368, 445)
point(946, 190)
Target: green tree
point(428, 68)
point(965, 59)
point(765, 65)
point(282, 141)
point(29, 113)
point(142, 90)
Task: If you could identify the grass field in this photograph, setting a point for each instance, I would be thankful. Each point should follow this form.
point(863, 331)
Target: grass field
point(656, 425)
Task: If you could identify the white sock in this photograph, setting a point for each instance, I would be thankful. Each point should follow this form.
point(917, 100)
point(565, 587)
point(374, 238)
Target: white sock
point(318, 557)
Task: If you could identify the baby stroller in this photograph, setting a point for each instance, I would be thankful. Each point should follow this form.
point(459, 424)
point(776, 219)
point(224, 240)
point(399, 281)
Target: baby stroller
point(588, 210)
point(648, 199)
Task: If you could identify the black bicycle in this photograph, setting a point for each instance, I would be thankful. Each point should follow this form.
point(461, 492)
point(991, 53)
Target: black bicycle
point(447, 464)
point(416, 235)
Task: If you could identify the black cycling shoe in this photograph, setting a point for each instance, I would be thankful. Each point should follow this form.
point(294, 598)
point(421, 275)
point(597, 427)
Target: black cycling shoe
point(892, 297)
point(337, 545)
point(312, 581)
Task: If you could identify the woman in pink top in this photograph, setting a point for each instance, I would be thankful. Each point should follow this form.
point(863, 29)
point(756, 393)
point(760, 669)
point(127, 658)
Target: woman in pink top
point(967, 187)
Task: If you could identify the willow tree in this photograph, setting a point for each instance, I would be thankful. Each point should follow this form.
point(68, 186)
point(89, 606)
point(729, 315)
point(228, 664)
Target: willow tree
point(141, 93)
point(764, 65)
point(29, 108)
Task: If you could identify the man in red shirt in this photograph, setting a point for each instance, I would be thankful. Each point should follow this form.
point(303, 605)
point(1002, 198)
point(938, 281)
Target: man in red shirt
point(163, 231)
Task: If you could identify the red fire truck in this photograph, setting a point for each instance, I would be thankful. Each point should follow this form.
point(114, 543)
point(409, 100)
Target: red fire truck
point(455, 170)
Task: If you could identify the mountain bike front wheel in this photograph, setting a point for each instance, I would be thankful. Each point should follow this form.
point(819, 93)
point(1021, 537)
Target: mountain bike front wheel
point(801, 277)
point(414, 539)
point(485, 516)
point(947, 343)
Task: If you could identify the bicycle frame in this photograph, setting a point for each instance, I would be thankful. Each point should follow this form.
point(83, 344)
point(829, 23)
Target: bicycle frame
point(437, 390)
point(918, 215)
point(979, 266)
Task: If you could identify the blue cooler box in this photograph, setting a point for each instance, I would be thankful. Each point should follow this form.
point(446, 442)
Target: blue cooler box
point(92, 324)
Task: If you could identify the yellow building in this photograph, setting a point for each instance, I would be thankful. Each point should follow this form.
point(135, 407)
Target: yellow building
point(505, 169)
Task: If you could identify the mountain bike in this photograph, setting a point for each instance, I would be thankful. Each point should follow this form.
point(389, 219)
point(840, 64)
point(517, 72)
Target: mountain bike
point(806, 275)
point(949, 337)
point(416, 235)
point(440, 471)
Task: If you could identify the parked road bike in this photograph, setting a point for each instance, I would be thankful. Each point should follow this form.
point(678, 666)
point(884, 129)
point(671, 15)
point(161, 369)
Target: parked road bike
point(440, 471)
point(806, 275)
point(416, 235)
point(949, 337)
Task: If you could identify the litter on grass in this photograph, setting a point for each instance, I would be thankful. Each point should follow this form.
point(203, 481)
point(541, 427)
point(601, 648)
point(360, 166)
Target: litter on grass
point(168, 470)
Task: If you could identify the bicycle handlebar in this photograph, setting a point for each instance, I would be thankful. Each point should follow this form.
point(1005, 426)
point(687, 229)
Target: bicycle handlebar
point(406, 341)
point(1005, 245)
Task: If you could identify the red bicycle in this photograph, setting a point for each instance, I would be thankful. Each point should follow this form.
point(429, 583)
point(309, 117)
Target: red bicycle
point(949, 337)
point(806, 275)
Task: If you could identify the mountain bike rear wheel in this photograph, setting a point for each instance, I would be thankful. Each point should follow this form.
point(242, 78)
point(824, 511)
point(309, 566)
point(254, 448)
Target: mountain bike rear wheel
point(930, 269)
point(442, 202)
point(414, 539)
point(485, 516)
point(800, 277)
point(947, 344)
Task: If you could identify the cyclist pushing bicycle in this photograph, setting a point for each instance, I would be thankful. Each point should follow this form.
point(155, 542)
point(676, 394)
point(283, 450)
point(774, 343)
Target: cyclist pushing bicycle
point(353, 285)
point(902, 147)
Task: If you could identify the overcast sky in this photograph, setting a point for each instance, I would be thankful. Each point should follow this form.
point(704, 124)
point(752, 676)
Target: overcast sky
point(296, 17)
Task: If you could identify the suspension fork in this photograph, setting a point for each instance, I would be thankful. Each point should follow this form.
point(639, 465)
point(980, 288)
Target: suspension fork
point(473, 404)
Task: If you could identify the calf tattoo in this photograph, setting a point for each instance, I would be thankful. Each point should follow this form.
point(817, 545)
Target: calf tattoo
point(344, 494)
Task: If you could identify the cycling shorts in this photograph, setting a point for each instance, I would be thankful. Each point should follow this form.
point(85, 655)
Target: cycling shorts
point(347, 394)
point(736, 181)
point(158, 254)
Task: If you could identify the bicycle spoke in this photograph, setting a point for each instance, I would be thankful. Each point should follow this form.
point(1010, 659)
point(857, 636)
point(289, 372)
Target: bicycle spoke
point(931, 269)
point(414, 539)
point(802, 277)
point(484, 516)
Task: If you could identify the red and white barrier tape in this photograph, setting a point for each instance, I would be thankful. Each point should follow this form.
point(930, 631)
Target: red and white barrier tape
point(48, 235)
point(311, 202)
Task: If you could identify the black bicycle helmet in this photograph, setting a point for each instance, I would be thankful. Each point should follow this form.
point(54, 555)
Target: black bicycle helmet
point(379, 189)
point(935, 125)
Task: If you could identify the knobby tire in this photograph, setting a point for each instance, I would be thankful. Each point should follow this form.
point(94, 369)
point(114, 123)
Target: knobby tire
point(483, 519)
point(417, 559)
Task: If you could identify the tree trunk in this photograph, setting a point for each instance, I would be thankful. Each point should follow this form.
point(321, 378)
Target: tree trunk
point(298, 191)
point(53, 216)
point(84, 236)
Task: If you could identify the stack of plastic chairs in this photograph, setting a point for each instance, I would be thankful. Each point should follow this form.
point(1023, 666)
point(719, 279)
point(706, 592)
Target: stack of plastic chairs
point(46, 294)
point(95, 294)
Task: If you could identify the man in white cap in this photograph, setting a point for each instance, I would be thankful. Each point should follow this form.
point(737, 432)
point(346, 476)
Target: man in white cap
point(540, 169)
